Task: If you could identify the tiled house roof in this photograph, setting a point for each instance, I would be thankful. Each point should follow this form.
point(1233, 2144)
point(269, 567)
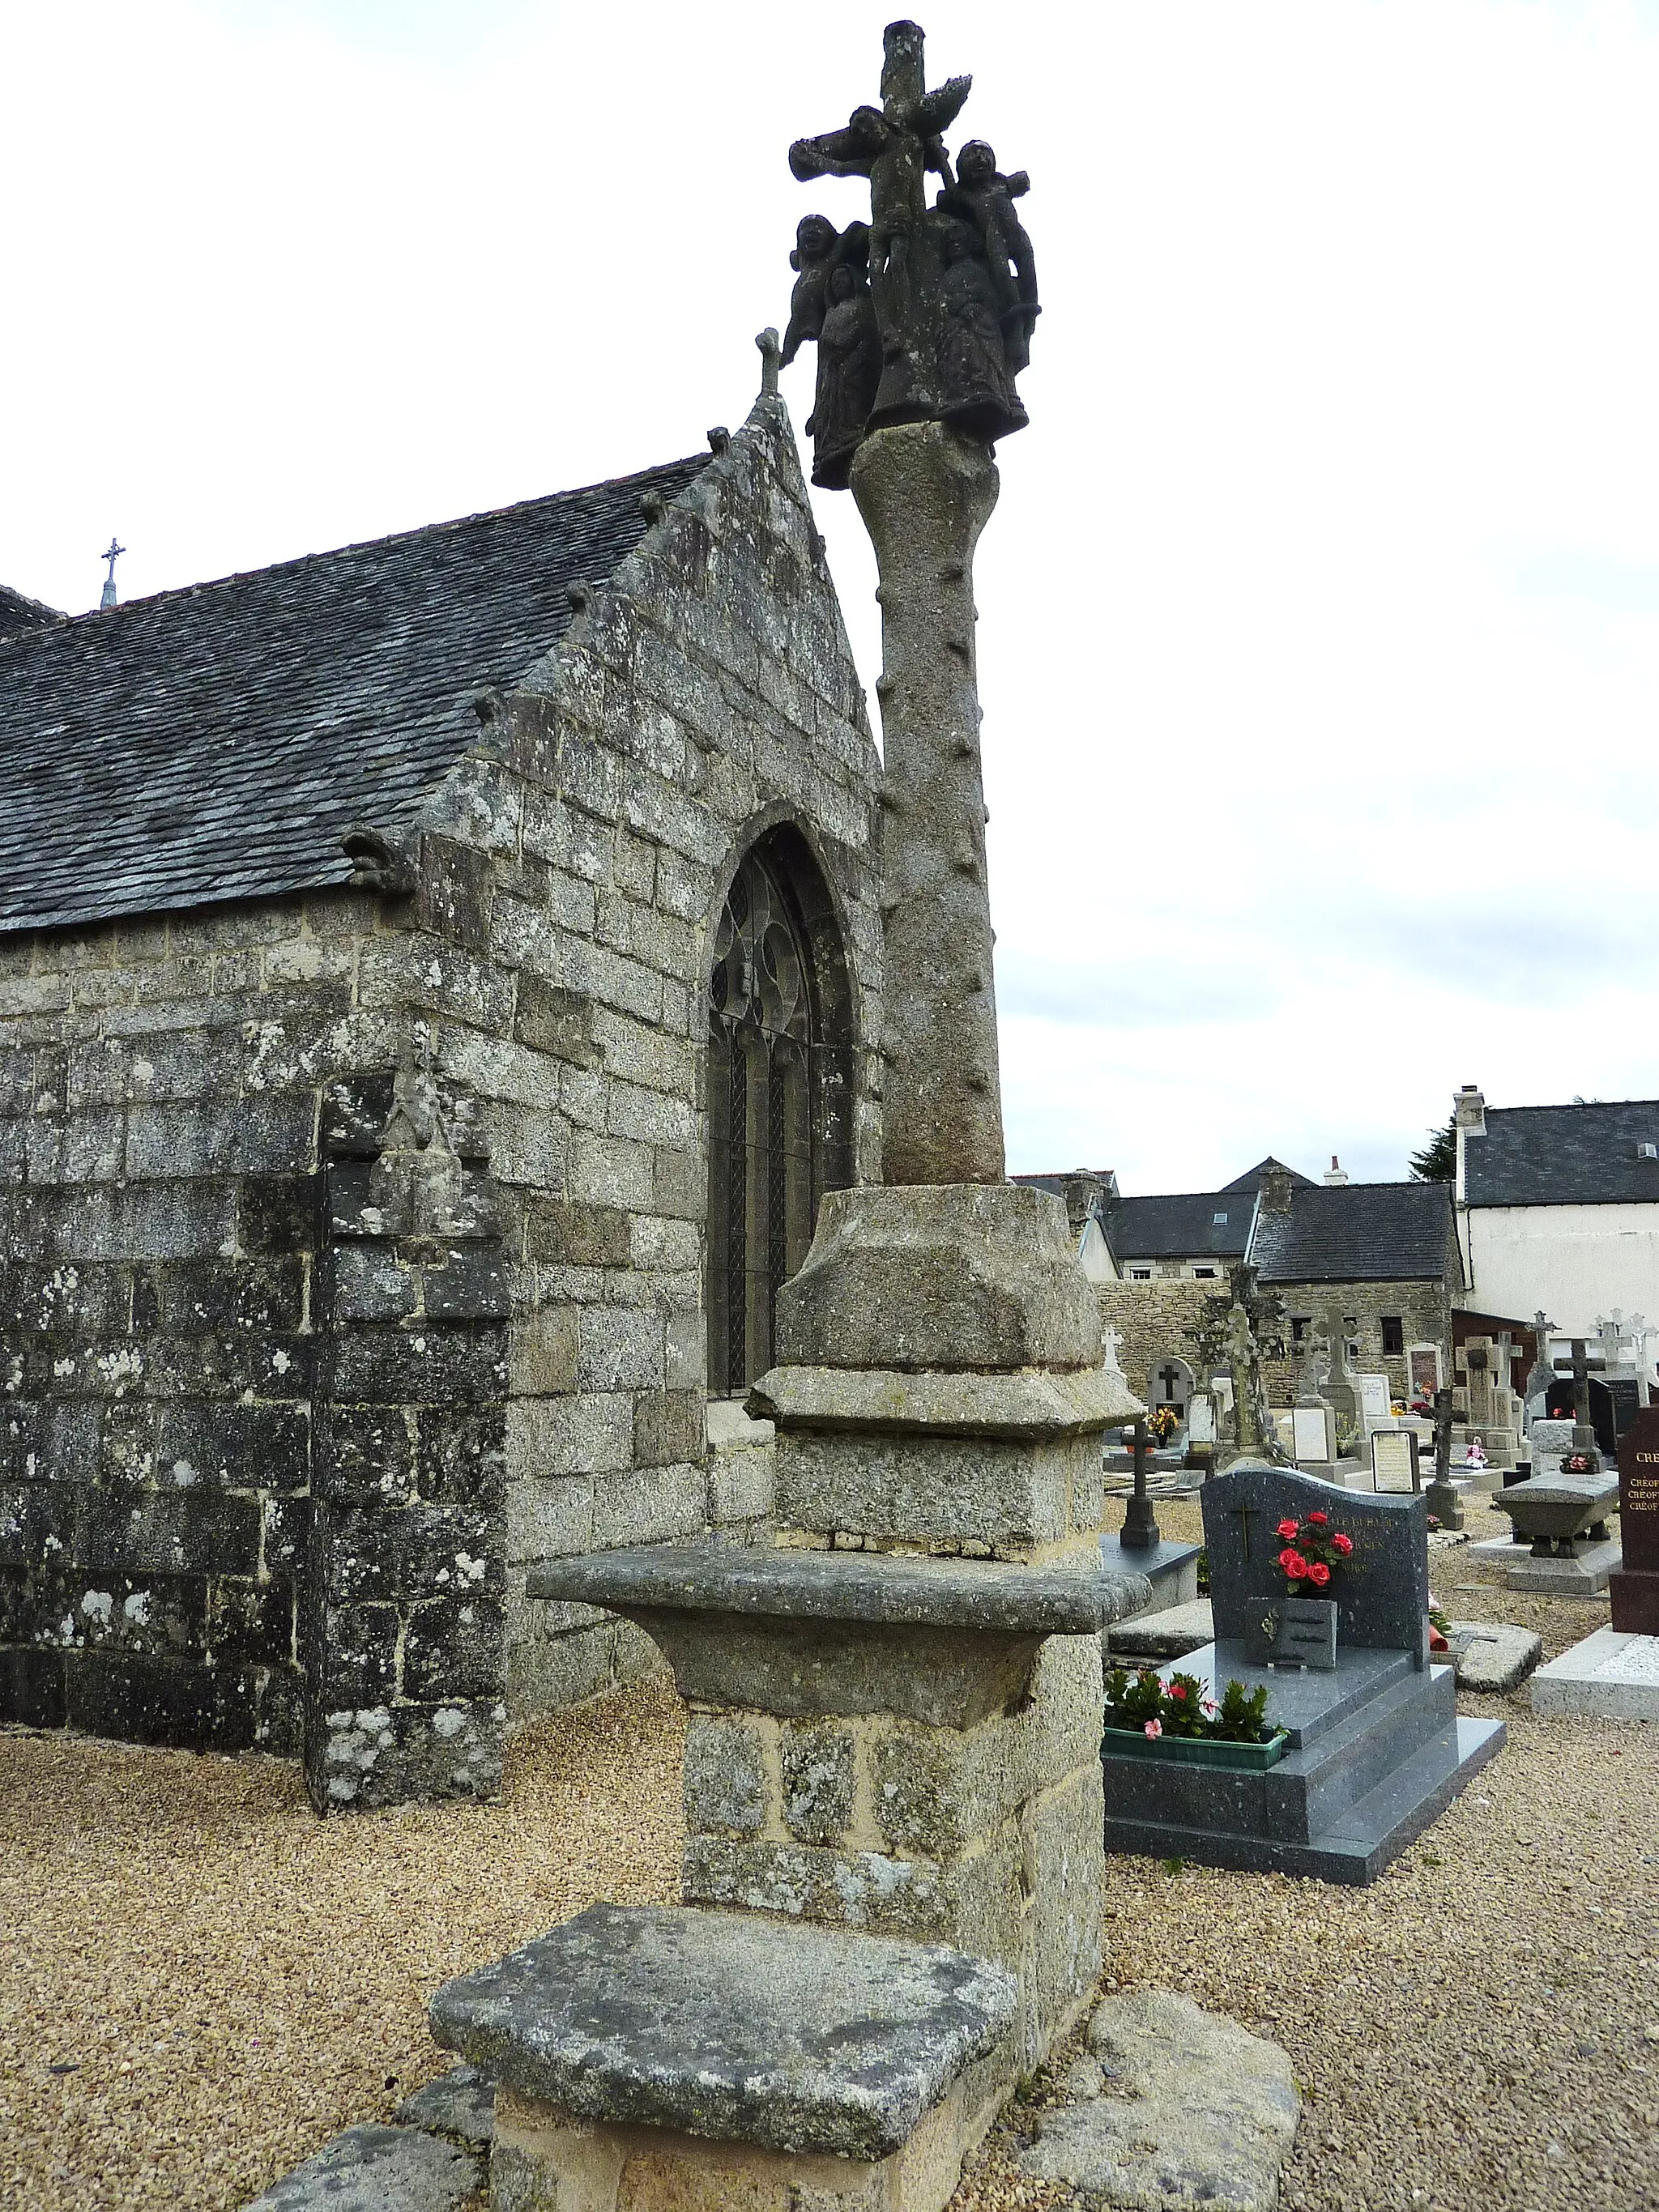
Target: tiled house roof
point(217, 742)
point(1251, 1178)
point(1359, 1232)
point(1563, 1155)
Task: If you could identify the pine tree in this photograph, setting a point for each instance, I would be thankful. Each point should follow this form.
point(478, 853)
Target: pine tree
point(1437, 1161)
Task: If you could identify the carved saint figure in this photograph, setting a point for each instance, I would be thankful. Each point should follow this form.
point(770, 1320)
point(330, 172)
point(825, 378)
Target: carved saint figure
point(981, 195)
point(820, 250)
point(849, 372)
point(976, 392)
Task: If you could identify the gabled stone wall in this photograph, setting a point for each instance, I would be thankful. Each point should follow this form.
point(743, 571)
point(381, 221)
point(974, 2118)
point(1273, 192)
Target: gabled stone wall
point(294, 1393)
point(1424, 1309)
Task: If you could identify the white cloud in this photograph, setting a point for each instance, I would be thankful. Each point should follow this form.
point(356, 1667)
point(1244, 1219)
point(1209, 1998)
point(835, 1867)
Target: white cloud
point(1320, 637)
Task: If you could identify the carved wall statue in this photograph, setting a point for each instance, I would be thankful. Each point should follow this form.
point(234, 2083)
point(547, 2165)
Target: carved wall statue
point(945, 325)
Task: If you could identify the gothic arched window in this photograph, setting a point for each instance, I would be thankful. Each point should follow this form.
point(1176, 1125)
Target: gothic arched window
point(779, 1094)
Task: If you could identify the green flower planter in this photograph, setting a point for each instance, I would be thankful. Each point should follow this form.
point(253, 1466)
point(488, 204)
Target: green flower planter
point(1197, 1750)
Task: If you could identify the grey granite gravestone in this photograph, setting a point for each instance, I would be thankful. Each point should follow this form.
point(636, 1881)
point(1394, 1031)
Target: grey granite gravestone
point(1382, 1592)
point(1375, 1749)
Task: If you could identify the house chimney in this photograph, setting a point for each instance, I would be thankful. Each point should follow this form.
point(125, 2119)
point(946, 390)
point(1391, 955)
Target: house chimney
point(1470, 1109)
point(1275, 1196)
point(1335, 1173)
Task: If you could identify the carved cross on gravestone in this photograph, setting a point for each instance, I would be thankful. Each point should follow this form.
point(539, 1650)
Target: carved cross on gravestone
point(1243, 1513)
point(1169, 1375)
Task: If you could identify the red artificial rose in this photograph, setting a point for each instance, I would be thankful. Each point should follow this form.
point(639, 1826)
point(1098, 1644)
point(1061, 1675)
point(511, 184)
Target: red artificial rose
point(1292, 1562)
point(1321, 1518)
point(1288, 1530)
point(1319, 1573)
point(1177, 1689)
point(1342, 1544)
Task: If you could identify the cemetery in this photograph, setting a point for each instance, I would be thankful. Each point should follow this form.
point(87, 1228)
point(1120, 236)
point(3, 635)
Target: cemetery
point(602, 1614)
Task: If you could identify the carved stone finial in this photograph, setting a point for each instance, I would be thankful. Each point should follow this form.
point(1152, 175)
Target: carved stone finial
point(924, 314)
point(579, 592)
point(719, 438)
point(767, 340)
point(653, 506)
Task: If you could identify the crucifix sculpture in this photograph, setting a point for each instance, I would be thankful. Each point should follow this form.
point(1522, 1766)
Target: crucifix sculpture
point(920, 319)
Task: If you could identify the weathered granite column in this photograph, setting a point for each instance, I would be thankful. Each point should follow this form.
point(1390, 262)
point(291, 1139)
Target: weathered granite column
point(926, 492)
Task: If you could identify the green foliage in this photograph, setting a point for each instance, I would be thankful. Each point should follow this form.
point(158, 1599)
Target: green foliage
point(1437, 1161)
point(1243, 1715)
point(1141, 1700)
point(1203, 1564)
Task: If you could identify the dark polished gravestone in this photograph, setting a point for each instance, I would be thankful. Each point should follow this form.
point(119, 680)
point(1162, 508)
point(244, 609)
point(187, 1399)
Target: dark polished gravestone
point(1634, 1587)
point(1376, 1748)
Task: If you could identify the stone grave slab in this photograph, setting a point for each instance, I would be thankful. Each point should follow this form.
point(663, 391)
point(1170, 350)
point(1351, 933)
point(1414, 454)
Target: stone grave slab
point(1376, 1749)
point(373, 2168)
point(1395, 1468)
point(1634, 1588)
point(1612, 1674)
point(1492, 1656)
point(1164, 1635)
point(1586, 1572)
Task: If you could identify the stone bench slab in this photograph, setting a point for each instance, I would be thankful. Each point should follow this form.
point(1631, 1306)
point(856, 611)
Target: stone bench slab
point(847, 1586)
point(790, 2037)
point(373, 2168)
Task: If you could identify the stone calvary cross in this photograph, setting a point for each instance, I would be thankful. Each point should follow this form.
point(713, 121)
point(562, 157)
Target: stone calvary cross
point(951, 300)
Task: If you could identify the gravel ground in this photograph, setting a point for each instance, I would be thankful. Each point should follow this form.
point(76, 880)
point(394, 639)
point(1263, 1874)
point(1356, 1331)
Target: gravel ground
point(232, 1981)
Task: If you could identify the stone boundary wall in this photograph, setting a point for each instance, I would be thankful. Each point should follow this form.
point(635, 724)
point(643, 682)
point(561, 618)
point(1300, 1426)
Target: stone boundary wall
point(1152, 1320)
point(208, 1337)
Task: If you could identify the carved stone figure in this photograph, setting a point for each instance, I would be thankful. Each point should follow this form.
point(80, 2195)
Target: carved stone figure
point(849, 372)
point(984, 196)
point(820, 250)
point(976, 392)
point(953, 287)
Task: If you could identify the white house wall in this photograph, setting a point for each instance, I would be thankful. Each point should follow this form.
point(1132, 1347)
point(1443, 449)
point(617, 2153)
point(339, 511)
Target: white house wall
point(1575, 1262)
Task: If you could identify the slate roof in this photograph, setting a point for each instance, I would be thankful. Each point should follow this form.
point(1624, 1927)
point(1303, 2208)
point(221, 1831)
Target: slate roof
point(1358, 1233)
point(1563, 1155)
point(19, 612)
point(1251, 1178)
point(216, 742)
point(1183, 1227)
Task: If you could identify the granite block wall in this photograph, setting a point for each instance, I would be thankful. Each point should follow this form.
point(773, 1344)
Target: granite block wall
point(1423, 1309)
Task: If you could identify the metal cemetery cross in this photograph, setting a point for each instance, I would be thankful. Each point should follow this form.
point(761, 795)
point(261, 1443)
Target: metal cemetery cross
point(1169, 1375)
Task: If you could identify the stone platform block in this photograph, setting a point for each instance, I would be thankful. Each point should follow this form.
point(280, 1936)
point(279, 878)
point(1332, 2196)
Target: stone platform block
point(373, 2168)
point(1174, 2107)
point(1493, 1657)
point(1169, 1634)
point(666, 2057)
point(1170, 1568)
point(1584, 1573)
point(945, 1277)
point(1611, 1675)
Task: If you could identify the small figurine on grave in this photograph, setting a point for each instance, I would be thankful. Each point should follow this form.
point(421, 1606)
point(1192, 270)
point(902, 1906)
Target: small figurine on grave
point(1475, 1454)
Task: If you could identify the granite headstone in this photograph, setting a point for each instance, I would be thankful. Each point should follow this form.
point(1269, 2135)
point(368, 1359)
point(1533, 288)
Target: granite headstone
point(1381, 1591)
point(1634, 1588)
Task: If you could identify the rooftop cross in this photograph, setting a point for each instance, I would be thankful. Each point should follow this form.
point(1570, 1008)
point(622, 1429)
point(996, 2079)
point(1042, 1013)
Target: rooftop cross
point(112, 555)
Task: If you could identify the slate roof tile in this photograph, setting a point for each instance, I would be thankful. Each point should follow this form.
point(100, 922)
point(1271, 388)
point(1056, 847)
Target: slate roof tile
point(1181, 1227)
point(1358, 1233)
point(217, 742)
point(1564, 1155)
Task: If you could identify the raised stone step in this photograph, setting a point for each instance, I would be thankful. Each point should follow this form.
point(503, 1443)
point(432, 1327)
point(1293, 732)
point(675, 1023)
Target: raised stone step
point(378, 2169)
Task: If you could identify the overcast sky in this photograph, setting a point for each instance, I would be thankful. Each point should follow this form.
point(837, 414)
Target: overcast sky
point(1320, 615)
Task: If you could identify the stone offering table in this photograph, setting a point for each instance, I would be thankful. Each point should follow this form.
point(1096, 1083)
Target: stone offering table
point(1565, 1519)
point(1377, 1748)
point(673, 2058)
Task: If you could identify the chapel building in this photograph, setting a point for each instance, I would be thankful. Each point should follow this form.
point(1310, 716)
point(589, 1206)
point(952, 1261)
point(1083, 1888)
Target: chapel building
point(438, 980)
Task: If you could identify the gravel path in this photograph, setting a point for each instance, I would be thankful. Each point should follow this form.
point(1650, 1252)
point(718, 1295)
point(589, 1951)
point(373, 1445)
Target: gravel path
point(233, 1981)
